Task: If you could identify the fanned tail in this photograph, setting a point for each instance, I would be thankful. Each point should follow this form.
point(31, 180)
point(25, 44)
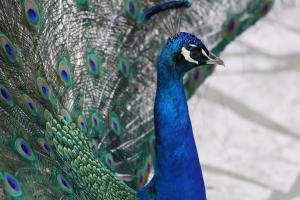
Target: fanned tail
point(89, 66)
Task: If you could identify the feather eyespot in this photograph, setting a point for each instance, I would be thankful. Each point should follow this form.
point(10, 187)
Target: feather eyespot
point(64, 75)
point(97, 123)
point(109, 161)
point(115, 124)
point(81, 122)
point(45, 146)
point(133, 9)
point(125, 68)
point(6, 97)
point(64, 184)
point(12, 183)
point(43, 88)
point(94, 63)
point(30, 105)
point(24, 149)
point(65, 72)
point(12, 186)
point(32, 14)
point(7, 49)
point(231, 27)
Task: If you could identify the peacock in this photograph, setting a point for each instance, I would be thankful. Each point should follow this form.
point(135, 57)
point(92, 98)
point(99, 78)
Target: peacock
point(77, 92)
point(178, 172)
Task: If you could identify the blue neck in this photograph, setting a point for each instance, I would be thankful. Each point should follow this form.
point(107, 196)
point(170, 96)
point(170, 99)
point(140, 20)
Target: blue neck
point(178, 173)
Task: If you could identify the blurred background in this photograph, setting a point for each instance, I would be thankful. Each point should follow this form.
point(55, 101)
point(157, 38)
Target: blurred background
point(247, 119)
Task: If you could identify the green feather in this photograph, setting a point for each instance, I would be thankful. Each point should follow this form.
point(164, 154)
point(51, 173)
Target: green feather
point(231, 27)
point(6, 97)
point(30, 104)
point(13, 187)
point(8, 50)
point(82, 124)
point(133, 10)
point(109, 161)
point(65, 72)
point(94, 63)
point(96, 124)
point(125, 68)
point(115, 124)
point(24, 149)
point(64, 184)
point(43, 88)
point(32, 14)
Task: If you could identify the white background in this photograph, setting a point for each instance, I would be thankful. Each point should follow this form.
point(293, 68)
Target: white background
point(246, 117)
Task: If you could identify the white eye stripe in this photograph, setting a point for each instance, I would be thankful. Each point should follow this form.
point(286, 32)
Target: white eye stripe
point(187, 56)
point(193, 45)
point(204, 53)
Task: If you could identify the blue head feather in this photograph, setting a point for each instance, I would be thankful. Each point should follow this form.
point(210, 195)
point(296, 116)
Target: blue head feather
point(185, 51)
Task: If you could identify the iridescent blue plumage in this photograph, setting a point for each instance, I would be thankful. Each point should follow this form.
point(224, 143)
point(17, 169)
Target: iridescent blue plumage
point(178, 172)
point(147, 14)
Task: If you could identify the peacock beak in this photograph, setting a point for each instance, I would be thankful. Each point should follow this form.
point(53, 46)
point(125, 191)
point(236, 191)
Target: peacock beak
point(214, 60)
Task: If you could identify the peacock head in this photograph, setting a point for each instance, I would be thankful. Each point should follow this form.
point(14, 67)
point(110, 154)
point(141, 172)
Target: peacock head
point(187, 52)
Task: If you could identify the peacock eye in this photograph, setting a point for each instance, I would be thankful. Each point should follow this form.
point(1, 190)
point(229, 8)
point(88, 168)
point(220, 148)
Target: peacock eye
point(196, 53)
